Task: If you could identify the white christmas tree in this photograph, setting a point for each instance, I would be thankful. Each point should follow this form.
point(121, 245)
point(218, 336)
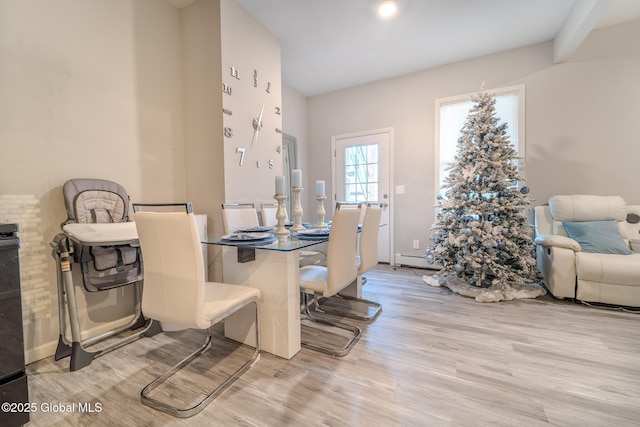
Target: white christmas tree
point(481, 233)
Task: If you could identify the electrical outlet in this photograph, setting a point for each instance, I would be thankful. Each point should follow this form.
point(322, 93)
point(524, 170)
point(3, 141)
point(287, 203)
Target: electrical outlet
point(416, 244)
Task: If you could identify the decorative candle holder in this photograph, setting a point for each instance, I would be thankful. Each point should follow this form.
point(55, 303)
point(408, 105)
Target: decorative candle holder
point(281, 231)
point(297, 210)
point(321, 212)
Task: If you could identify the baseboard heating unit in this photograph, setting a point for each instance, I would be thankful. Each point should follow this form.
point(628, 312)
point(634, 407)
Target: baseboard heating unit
point(413, 261)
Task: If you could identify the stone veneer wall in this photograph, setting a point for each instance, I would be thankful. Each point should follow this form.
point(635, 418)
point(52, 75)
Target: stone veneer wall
point(37, 301)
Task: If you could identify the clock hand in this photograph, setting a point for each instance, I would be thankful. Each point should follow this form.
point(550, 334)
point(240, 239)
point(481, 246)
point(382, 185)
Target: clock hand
point(261, 113)
point(257, 124)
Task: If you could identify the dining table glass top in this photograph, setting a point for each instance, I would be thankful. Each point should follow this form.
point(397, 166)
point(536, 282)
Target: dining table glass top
point(291, 243)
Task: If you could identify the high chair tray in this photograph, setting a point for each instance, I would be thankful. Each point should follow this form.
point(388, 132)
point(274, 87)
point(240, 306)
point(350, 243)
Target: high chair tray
point(102, 234)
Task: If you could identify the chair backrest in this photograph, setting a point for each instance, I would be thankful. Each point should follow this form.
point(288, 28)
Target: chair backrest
point(369, 237)
point(239, 216)
point(95, 201)
point(174, 284)
point(580, 208)
point(362, 206)
point(341, 251)
point(268, 213)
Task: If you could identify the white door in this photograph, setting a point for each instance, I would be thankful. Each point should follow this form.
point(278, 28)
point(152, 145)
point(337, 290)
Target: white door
point(362, 173)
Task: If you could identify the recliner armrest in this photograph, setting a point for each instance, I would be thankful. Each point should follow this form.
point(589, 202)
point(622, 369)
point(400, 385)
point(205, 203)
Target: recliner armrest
point(560, 241)
point(635, 245)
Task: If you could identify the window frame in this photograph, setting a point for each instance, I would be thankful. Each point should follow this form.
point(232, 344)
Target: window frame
point(519, 89)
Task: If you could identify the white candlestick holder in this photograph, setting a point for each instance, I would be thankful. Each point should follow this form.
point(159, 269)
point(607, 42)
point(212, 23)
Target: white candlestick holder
point(297, 210)
point(281, 231)
point(321, 212)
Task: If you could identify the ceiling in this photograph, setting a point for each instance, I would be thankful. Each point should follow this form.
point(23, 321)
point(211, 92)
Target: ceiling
point(329, 45)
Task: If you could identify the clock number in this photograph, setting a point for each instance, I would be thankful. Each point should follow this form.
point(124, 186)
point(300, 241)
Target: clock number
point(278, 110)
point(241, 151)
point(255, 78)
point(226, 88)
point(268, 87)
point(258, 164)
point(234, 73)
point(226, 111)
point(228, 132)
point(271, 164)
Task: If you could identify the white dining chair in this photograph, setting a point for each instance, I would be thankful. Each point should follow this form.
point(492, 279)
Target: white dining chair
point(238, 216)
point(175, 292)
point(325, 281)
point(268, 213)
point(351, 306)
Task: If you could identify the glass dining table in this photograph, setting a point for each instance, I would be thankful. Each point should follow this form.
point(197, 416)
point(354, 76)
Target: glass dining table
point(272, 266)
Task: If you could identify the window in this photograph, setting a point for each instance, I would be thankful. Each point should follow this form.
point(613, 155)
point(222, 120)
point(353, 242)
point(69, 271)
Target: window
point(451, 114)
point(361, 173)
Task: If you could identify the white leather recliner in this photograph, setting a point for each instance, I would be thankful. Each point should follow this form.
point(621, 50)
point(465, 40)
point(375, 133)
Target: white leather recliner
point(603, 267)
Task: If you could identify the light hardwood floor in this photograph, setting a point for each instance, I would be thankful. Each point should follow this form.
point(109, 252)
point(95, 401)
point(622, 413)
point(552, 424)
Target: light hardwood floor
point(432, 358)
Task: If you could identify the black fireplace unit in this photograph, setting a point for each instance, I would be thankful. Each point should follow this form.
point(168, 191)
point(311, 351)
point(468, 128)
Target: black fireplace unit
point(14, 392)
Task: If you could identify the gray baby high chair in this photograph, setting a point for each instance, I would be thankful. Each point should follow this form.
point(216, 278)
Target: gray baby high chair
point(98, 236)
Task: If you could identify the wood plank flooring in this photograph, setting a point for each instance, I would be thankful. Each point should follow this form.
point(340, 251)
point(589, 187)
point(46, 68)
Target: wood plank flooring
point(432, 358)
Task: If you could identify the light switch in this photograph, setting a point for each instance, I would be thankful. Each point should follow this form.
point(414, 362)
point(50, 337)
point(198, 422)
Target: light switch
point(399, 189)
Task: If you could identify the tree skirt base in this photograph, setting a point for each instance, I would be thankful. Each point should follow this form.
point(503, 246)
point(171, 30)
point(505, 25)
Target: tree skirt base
point(494, 293)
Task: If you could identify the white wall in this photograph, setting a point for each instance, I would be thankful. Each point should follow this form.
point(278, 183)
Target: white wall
point(248, 46)
point(294, 123)
point(90, 89)
point(201, 77)
point(580, 116)
point(87, 90)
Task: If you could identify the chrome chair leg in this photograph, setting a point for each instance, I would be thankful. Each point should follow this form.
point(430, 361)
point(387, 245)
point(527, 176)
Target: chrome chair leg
point(344, 307)
point(193, 410)
point(377, 307)
point(338, 352)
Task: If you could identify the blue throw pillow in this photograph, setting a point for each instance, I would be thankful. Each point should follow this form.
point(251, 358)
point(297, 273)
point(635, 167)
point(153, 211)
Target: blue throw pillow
point(601, 237)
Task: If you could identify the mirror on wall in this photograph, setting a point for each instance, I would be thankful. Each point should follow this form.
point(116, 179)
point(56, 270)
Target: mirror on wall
point(289, 162)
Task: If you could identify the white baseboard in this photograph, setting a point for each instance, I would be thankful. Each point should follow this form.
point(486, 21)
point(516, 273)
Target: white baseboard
point(40, 352)
point(413, 261)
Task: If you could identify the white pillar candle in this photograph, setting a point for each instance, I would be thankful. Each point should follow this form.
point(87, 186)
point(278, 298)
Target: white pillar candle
point(319, 188)
point(280, 184)
point(296, 178)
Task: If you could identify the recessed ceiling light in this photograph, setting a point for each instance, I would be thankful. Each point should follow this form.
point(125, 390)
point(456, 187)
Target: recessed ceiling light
point(387, 8)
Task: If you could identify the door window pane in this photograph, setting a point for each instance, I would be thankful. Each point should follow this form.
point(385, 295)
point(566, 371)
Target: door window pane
point(372, 193)
point(372, 172)
point(361, 173)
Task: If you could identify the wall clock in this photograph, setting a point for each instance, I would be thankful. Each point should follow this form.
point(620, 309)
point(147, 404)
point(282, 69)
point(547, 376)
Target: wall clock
point(251, 116)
